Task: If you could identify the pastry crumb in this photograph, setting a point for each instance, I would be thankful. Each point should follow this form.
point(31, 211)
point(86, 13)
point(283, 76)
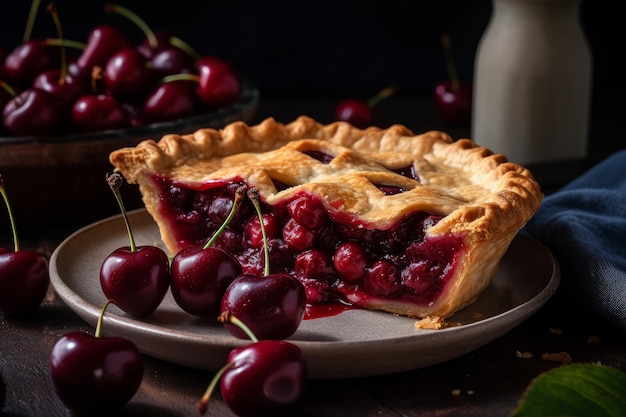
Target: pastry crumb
point(593, 339)
point(470, 391)
point(523, 355)
point(555, 330)
point(434, 323)
point(477, 316)
point(562, 357)
point(456, 392)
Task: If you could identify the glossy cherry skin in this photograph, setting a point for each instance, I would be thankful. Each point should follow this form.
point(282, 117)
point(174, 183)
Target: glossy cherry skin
point(98, 112)
point(66, 92)
point(267, 378)
point(454, 106)
point(356, 112)
point(102, 43)
point(200, 277)
point(219, 85)
point(32, 112)
point(128, 75)
point(171, 60)
point(28, 60)
point(271, 306)
point(95, 373)
point(170, 101)
point(24, 280)
point(136, 281)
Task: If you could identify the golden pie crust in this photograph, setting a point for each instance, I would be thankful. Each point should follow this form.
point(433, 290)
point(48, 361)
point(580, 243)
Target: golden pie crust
point(485, 198)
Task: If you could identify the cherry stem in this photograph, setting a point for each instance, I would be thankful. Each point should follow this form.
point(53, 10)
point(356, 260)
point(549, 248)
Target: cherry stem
point(253, 195)
point(101, 317)
point(64, 42)
point(5, 196)
point(204, 400)
point(116, 8)
point(228, 317)
point(181, 44)
point(447, 49)
point(11, 92)
point(239, 195)
point(115, 181)
point(180, 77)
point(381, 95)
point(57, 22)
point(96, 74)
point(34, 6)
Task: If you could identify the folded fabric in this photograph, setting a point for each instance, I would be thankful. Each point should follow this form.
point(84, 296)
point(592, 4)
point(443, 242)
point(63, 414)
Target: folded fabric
point(584, 225)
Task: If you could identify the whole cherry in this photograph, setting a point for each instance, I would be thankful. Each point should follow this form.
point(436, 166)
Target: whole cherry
point(103, 41)
point(93, 112)
point(24, 275)
point(92, 373)
point(170, 101)
point(273, 305)
point(360, 113)
point(453, 98)
point(265, 378)
point(135, 278)
point(32, 112)
point(200, 275)
point(29, 59)
point(128, 75)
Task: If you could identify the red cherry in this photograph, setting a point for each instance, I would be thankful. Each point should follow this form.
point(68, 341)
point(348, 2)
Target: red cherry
point(454, 102)
point(170, 101)
point(65, 90)
point(29, 59)
point(32, 112)
point(102, 43)
point(200, 275)
point(93, 373)
point(135, 278)
point(128, 75)
point(271, 306)
point(24, 274)
point(265, 378)
point(360, 113)
point(219, 85)
point(98, 112)
point(453, 98)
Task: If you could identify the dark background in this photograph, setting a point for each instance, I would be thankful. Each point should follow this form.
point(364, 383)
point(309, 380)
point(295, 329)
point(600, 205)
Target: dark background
point(323, 47)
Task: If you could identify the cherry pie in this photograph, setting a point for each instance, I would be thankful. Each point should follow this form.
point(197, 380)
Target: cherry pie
point(381, 219)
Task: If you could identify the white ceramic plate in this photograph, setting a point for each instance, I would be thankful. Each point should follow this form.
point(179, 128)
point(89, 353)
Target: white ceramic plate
point(354, 343)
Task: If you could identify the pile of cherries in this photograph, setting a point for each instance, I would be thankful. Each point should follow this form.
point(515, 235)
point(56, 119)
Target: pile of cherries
point(266, 377)
point(111, 83)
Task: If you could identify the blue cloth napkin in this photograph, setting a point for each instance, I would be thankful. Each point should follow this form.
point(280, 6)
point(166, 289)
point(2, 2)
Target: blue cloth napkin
point(584, 225)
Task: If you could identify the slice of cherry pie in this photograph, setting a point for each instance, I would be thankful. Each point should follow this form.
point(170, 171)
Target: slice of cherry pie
point(381, 219)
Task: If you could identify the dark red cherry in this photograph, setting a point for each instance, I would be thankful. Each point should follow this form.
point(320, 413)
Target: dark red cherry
point(32, 112)
point(65, 90)
point(351, 261)
point(102, 43)
point(219, 85)
point(135, 278)
point(170, 101)
point(263, 379)
point(29, 59)
point(128, 75)
point(98, 112)
point(24, 274)
point(267, 378)
point(271, 306)
point(171, 60)
point(356, 112)
point(93, 374)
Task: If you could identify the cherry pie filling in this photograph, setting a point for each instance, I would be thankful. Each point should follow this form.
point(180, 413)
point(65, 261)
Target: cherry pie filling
point(338, 257)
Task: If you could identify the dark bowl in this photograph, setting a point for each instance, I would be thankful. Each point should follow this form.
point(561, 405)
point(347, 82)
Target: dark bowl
point(61, 179)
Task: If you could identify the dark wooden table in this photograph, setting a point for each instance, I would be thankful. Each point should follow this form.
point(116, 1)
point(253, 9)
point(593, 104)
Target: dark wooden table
point(486, 382)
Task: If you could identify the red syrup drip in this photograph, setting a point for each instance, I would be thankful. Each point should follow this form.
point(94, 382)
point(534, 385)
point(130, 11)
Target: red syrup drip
point(320, 311)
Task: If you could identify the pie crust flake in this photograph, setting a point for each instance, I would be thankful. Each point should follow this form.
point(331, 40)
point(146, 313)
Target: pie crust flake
point(381, 219)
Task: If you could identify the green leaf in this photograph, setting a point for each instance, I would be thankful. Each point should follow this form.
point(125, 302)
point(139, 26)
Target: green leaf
point(575, 390)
